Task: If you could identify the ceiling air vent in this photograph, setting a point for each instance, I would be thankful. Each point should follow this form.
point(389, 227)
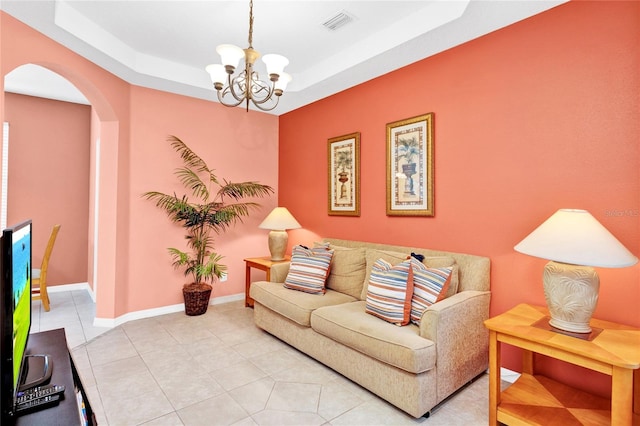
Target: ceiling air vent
point(337, 20)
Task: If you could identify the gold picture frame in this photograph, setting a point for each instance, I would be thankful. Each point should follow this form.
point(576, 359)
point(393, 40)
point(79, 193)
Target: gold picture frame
point(343, 154)
point(410, 167)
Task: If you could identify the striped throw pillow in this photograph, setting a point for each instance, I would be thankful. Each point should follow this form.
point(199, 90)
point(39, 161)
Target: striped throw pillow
point(309, 269)
point(429, 286)
point(389, 292)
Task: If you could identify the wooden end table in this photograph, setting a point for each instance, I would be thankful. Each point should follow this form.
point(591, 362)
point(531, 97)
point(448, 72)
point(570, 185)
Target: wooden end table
point(262, 263)
point(534, 399)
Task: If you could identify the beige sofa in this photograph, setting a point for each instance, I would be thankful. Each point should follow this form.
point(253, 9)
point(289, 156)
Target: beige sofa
point(414, 368)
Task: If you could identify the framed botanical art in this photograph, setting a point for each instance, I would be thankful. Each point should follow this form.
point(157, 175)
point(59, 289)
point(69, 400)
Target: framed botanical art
point(410, 167)
point(344, 175)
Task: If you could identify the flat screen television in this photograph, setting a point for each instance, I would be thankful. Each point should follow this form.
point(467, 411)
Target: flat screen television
point(15, 312)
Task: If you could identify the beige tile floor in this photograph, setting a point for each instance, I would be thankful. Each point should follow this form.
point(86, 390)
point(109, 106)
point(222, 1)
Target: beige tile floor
point(219, 369)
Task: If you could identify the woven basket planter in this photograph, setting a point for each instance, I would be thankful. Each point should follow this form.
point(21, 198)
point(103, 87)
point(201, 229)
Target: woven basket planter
point(196, 298)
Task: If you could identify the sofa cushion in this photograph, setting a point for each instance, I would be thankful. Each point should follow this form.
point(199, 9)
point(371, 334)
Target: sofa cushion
point(309, 269)
point(348, 268)
point(371, 256)
point(295, 305)
point(401, 347)
point(389, 292)
point(430, 285)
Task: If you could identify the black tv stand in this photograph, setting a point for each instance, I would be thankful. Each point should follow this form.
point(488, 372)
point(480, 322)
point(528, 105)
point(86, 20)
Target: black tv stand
point(37, 371)
point(74, 407)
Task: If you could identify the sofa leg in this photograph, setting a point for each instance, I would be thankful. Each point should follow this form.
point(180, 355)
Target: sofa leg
point(427, 414)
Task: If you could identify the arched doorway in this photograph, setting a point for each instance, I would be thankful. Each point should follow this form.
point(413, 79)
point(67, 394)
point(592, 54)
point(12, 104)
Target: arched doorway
point(100, 206)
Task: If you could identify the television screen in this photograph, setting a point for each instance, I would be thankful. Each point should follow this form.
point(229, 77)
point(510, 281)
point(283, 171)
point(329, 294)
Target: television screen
point(15, 311)
point(21, 284)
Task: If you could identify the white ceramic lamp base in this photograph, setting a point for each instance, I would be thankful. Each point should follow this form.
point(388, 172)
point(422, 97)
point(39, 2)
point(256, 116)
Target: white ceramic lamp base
point(571, 292)
point(278, 244)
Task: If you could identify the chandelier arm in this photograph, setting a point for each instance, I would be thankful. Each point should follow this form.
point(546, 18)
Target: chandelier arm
point(229, 90)
point(265, 99)
point(257, 102)
point(258, 86)
point(262, 108)
point(237, 82)
point(221, 99)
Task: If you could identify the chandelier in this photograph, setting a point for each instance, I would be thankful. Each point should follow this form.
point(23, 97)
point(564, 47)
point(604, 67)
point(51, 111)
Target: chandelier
point(247, 85)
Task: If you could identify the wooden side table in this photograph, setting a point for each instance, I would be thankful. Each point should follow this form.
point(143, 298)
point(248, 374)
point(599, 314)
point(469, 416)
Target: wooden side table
point(263, 264)
point(533, 399)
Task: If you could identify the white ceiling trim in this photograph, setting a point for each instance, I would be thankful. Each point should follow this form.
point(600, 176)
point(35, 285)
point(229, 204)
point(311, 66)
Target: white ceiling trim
point(419, 29)
point(432, 16)
point(75, 23)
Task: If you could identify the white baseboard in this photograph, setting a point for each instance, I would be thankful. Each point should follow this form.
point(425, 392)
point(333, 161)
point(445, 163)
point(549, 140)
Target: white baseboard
point(72, 287)
point(154, 312)
point(146, 313)
point(131, 316)
point(69, 287)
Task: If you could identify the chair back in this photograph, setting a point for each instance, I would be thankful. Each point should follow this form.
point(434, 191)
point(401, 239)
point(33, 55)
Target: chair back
point(47, 253)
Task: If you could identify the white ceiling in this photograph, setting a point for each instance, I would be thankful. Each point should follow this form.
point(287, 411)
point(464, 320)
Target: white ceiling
point(166, 44)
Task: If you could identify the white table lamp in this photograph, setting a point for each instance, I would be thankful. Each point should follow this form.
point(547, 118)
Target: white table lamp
point(574, 241)
point(278, 221)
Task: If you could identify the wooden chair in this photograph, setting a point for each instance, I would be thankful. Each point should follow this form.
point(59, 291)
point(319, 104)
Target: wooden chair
point(39, 276)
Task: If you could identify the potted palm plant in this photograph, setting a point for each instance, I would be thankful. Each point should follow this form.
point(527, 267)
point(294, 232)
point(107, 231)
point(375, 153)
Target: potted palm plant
point(216, 205)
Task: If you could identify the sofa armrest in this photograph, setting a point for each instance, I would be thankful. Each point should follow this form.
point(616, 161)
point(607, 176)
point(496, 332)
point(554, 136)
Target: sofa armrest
point(460, 311)
point(456, 326)
point(279, 272)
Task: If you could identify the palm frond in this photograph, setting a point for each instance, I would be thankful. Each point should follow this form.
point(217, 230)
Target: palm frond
point(191, 159)
point(182, 259)
point(166, 202)
point(178, 209)
point(243, 190)
point(190, 179)
point(199, 243)
point(179, 257)
point(225, 216)
point(212, 268)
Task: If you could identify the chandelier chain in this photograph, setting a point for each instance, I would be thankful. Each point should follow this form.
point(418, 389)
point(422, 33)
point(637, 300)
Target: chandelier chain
point(251, 24)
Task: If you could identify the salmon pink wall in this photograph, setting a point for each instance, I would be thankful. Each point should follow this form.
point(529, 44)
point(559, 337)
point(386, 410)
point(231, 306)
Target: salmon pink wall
point(49, 179)
point(128, 235)
point(19, 45)
point(240, 146)
point(538, 116)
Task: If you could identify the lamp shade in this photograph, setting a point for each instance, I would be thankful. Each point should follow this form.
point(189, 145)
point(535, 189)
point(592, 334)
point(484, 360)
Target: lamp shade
point(279, 219)
point(576, 237)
